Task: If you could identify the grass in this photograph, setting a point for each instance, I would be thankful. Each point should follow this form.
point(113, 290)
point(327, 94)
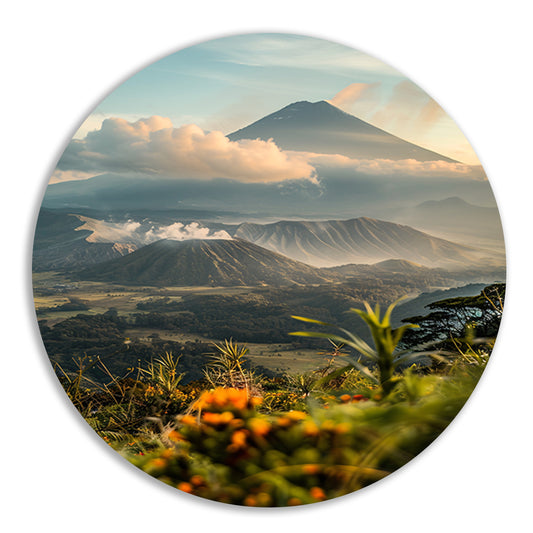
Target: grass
point(332, 422)
point(240, 438)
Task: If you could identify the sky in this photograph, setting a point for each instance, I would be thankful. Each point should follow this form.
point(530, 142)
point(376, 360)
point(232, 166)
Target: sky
point(222, 85)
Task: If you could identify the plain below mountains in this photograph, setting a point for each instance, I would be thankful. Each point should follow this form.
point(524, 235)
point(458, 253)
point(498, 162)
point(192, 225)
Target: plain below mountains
point(212, 262)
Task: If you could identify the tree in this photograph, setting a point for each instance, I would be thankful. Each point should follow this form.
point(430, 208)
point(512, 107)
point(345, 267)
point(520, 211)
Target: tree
point(456, 318)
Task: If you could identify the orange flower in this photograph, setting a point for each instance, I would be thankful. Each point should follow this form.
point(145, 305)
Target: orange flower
point(238, 398)
point(218, 398)
point(264, 499)
point(259, 426)
point(345, 398)
point(296, 415)
point(238, 439)
point(317, 493)
point(188, 420)
point(236, 423)
point(157, 462)
point(283, 421)
point(311, 469)
point(216, 419)
point(167, 454)
point(185, 487)
point(174, 436)
point(255, 401)
point(328, 425)
point(310, 428)
point(197, 480)
point(250, 501)
point(343, 427)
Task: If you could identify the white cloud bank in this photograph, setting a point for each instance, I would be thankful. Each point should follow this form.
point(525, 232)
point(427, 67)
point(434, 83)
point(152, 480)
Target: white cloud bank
point(141, 234)
point(154, 146)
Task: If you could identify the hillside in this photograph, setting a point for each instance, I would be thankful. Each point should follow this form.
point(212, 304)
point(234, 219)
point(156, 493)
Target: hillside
point(359, 240)
point(59, 243)
point(205, 262)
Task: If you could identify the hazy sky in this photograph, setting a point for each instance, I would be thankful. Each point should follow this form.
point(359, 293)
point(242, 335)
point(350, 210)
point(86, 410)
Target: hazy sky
point(228, 83)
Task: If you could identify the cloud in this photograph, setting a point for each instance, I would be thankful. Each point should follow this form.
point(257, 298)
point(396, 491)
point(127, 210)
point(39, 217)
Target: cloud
point(154, 146)
point(390, 167)
point(410, 110)
point(181, 232)
point(297, 52)
point(357, 94)
point(141, 234)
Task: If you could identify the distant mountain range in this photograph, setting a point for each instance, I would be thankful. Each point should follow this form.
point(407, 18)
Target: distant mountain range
point(456, 219)
point(360, 240)
point(206, 263)
point(322, 128)
point(63, 242)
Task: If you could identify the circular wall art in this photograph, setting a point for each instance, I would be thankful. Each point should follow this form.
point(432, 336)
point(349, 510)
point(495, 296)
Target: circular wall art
point(268, 270)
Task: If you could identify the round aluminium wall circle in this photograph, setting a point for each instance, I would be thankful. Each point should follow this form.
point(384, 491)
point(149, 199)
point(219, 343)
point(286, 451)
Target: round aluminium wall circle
point(212, 252)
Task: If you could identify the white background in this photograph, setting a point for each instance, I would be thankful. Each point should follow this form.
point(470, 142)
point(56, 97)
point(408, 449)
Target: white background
point(61, 57)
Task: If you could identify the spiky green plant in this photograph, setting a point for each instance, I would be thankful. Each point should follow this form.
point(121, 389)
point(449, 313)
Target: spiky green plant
point(227, 367)
point(163, 373)
point(384, 356)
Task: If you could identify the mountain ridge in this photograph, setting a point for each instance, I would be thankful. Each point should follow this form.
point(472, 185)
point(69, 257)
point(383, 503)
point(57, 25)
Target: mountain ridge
point(358, 240)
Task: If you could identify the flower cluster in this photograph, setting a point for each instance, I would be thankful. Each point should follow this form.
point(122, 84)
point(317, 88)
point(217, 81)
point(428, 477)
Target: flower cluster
point(226, 450)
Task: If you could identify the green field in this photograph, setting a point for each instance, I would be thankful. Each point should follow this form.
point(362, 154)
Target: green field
point(53, 289)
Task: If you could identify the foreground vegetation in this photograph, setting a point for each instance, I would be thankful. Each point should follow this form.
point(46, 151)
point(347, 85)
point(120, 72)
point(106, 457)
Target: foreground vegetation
point(237, 436)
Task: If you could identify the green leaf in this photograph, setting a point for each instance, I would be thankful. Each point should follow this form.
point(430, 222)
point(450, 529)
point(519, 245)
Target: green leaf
point(312, 321)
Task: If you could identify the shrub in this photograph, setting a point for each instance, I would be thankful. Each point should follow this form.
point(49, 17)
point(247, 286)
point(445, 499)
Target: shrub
point(226, 450)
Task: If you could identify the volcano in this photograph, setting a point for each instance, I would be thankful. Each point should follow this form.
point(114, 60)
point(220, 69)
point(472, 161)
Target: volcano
point(322, 128)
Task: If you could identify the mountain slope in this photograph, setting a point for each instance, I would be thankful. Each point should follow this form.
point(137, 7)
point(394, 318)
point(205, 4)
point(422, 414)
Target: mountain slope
point(205, 262)
point(323, 128)
point(59, 243)
point(359, 240)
